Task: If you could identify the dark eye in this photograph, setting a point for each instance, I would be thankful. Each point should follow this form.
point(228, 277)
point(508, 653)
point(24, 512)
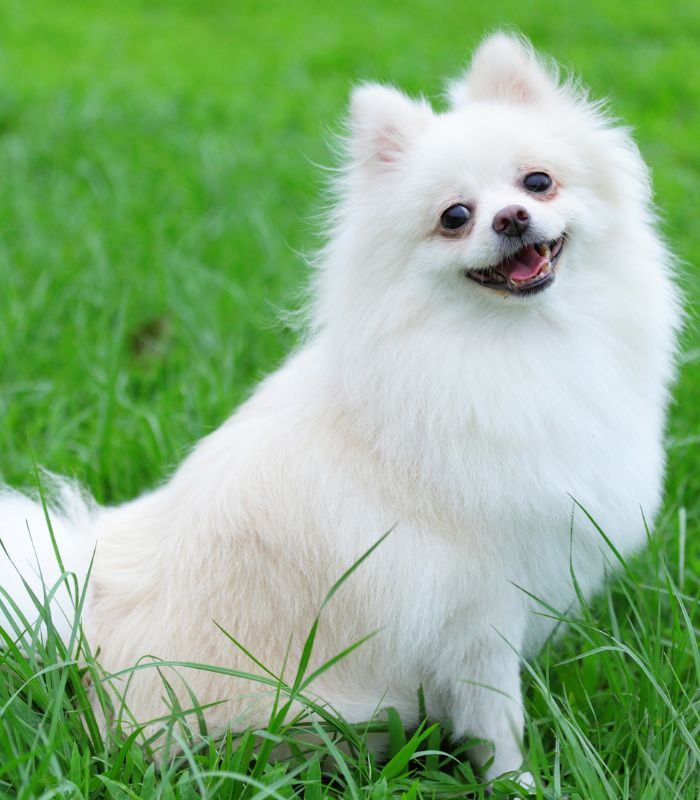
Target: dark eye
point(455, 217)
point(537, 182)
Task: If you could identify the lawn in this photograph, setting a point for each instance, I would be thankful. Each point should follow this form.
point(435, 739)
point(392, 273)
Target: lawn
point(160, 181)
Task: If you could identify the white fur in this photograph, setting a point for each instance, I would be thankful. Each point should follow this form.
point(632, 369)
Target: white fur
point(464, 419)
point(28, 562)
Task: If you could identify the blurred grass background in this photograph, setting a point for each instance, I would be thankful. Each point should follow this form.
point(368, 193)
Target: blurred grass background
point(159, 180)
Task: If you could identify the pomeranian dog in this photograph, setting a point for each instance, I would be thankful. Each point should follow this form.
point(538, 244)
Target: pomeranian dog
point(490, 349)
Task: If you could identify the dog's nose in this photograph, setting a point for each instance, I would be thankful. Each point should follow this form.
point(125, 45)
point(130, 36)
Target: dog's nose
point(511, 221)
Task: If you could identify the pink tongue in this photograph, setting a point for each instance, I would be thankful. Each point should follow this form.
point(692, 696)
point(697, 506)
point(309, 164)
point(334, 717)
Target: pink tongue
point(527, 264)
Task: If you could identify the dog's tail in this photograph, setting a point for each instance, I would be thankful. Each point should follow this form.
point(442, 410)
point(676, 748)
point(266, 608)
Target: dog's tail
point(46, 547)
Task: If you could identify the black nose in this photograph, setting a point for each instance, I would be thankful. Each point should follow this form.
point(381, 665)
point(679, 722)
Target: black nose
point(511, 221)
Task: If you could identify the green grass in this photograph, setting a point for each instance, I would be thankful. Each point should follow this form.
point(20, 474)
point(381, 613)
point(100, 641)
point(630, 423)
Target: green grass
point(158, 181)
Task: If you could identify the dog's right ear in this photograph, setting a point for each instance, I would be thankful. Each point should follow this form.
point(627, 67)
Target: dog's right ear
point(383, 121)
point(505, 68)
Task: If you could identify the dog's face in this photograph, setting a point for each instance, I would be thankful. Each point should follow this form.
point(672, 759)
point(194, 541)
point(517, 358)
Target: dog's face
point(519, 182)
point(499, 199)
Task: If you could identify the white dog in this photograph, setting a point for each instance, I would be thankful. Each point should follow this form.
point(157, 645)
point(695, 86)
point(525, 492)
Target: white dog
point(491, 344)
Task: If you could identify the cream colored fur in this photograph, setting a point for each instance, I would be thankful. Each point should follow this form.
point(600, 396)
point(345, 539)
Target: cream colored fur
point(464, 420)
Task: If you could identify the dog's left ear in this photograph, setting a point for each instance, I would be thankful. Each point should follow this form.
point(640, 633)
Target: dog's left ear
point(383, 122)
point(505, 68)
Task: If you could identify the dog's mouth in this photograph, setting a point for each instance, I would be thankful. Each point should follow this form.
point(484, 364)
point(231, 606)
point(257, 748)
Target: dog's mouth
point(527, 271)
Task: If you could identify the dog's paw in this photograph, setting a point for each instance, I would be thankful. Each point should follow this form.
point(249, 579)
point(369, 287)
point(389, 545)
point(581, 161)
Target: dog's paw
point(525, 782)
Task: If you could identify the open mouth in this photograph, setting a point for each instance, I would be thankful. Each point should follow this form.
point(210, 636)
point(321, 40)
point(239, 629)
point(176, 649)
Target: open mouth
point(528, 271)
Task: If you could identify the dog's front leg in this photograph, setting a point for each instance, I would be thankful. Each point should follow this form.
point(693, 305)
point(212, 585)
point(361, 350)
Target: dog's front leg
point(488, 705)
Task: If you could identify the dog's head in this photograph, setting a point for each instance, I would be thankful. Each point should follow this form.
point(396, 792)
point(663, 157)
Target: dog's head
point(520, 192)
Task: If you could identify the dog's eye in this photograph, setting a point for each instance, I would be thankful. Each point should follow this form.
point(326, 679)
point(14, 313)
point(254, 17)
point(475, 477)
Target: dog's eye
point(537, 182)
point(455, 217)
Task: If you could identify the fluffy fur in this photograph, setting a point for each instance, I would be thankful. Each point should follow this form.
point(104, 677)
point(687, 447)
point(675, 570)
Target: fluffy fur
point(465, 419)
